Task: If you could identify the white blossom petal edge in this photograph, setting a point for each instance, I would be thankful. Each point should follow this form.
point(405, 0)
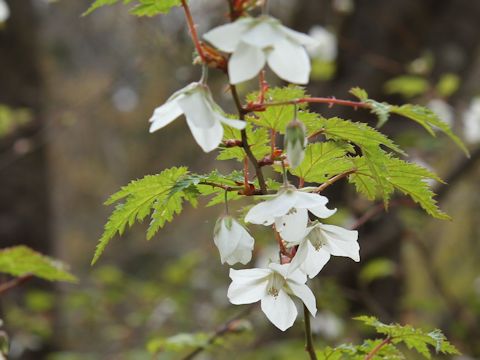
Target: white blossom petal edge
point(204, 116)
point(289, 211)
point(320, 242)
point(233, 241)
point(257, 41)
point(273, 287)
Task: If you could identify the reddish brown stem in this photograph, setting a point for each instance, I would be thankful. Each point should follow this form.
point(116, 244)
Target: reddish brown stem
point(377, 348)
point(301, 182)
point(14, 283)
point(334, 179)
point(193, 31)
point(318, 100)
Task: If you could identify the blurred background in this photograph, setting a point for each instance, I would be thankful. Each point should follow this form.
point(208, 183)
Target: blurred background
point(75, 96)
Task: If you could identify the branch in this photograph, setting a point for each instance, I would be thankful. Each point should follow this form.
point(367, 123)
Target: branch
point(334, 179)
point(193, 31)
point(319, 100)
point(14, 283)
point(377, 348)
point(309, 348)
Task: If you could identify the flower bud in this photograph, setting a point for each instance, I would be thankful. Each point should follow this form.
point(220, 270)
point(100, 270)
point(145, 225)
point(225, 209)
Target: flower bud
point(233, 241)
point(295, 142)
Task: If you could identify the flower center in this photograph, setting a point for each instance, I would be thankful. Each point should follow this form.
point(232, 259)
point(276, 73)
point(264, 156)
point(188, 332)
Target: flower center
point(275, 284)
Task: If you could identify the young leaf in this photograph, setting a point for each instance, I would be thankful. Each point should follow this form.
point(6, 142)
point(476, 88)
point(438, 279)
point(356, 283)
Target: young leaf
point(429, 120)
point(21, 260)
point(141, 197)
point(324, 160)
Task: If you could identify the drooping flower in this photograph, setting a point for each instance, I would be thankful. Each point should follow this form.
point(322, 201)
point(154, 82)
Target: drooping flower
point(257, 41)
point(471, 122)
point(320, 242)
point(273, 287)
point(233, 241)
point(326, 48)
point(289, 211)
point(295, 143)
point(204, 116)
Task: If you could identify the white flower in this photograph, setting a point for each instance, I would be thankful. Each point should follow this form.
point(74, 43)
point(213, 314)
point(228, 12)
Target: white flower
point(257, 41)
point(289, 211)
point(273, 288)
point(471, 122)
point(233, 241)
point(320, 242)
point(4, 11)
point(204, 116)
point(326, 48)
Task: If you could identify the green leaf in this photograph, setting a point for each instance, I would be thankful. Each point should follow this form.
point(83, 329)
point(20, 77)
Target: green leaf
point(376, 269)
point(178, 343)
point(358, 133)
point(448, 84)
point(407, 85)
point(152, 194)
point(258, 140)
point(376, 179)
point(140, 8)
point(359, 93)
point(381, 110)
point(21, 260)
point(277, 117)
point(324, 160)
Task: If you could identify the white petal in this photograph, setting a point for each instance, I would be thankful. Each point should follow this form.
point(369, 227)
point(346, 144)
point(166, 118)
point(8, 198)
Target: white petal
point(164, 115)
point(197, 109)
point(225, 237)
point(315, 203)
point(226, 37)
point(315, 260)
point(280, 310)
point(263, 35)
point(243, 251)
point(207, 138)
point(341, 242)
point(266, 212)
point(290, 62)
point(248, 286)
point(300, 256)
point(298, 37)
point(303, 292)
point(293, 225)
point(245, 63)
point(237, 124)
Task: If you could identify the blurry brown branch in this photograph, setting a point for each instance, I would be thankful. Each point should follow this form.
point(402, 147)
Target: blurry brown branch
point(309, 348)
point(377, 348)
point(14, 283)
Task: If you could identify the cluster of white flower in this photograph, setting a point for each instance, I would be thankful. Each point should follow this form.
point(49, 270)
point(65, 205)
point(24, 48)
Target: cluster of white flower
point(288, 212)
point(253, 43)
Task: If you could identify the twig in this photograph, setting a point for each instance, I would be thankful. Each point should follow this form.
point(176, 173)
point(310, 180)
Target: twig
point(318, 100)
point(334, 179)
point(14, 283)
point(377, 348)
point(193, 31)
point(309, 347)
point(221, 331)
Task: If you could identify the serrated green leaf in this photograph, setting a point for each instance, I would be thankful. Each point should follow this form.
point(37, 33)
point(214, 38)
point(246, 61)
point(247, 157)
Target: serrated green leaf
point(140, 8)
point(324, 160)
point(359, 93)
point(407, 85)
point(429, 120)
point(141, 197)
point(258, 140)
point(21, 260)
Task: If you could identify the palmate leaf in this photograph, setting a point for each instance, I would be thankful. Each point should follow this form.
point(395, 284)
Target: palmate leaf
point(324, 160)
point(152, 194)
point(140, 8)
point(408, 178)
point(21, 260)
point(413, 338)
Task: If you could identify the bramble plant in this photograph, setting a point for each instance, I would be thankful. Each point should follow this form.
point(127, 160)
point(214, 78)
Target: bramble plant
point(317, 151)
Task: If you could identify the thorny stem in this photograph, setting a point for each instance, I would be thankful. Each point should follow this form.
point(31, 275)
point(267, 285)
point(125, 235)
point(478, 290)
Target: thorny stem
point(377, 348)
point(193, 31)
point(246, 146)
point(334, 179)
point(319, 100)
point(14, 283)
point(309, 347)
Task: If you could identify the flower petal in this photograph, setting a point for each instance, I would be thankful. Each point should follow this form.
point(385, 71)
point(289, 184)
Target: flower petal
point(245, 63)
point(248, 286)
point(225, 237)
point(226, 37)
point(197, 109)
point(303, 292)
point(315, 260)
point(290, 61)
point(237, 124)
point(207, 138)
point(293, 225)
point(341, 242)
point(263, 35)
point(164, 115)
point(300, 256)
point(266, 212)
point(280, 310)
point(298, 37)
